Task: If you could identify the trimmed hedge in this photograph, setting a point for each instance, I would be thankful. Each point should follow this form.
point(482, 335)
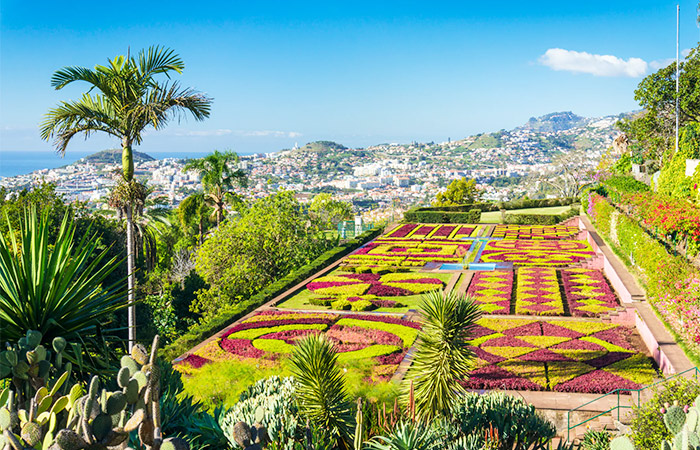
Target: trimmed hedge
point(451, 214)
point(425, 215)
point(225, 316)
point(540, 219)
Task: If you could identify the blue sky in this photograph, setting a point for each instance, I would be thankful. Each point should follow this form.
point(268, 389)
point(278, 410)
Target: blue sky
point(359, 73)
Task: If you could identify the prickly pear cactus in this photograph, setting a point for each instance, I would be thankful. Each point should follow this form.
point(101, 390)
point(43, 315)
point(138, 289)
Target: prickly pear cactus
point(31, 366)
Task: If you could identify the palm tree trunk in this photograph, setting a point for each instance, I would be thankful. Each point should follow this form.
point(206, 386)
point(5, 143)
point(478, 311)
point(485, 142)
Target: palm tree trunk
point(128, 171)
point(131, 280)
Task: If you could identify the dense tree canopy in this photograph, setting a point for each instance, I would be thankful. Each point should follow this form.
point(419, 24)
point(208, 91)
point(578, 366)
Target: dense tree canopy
point(273, 237)
point(459, 192)
point(653, 130)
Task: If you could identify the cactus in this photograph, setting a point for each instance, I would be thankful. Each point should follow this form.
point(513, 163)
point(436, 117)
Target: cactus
point(359, 426)
point(621, 443)
point(674, 418)
point(96, 419)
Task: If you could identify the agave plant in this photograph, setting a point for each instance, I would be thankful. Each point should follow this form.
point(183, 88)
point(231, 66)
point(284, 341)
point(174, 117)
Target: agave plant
point(321, 387)
point(443, 358)
point(54, 287)
point(406, 436)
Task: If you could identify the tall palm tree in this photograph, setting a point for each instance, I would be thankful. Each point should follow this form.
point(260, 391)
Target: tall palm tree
point(218, 178)
point(127, 100)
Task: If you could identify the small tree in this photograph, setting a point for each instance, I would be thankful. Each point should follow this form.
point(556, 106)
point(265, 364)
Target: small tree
point(330, 211)
point(459, 192)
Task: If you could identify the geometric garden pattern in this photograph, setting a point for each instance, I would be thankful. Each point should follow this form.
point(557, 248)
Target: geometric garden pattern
point(556, 355)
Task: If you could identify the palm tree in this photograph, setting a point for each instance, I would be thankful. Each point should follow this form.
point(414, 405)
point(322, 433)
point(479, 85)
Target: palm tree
point(443, 357)
point(193, 212)
point(127, 100)
point(218, 178)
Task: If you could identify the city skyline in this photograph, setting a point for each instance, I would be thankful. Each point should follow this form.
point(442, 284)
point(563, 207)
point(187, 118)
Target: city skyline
point(284, 73)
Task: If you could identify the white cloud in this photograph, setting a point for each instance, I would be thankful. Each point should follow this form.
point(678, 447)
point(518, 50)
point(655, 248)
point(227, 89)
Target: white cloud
point(598, 65)
point(220, 132)
point(660, 63)
point(269, 133)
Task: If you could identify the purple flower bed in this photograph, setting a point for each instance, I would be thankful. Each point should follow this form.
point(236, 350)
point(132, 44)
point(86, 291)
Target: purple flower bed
point(241, 347)
point(391, 358)
point(544, 355)
point(584, 297)
point(194, 361)
point(418, 281)
point(382, 290)
point(365, 248)
point(404, 230)
point(619, 336)
point(577, 344)
point(424, 230)
point(364, 277)
point(493, 377)
point(366, 336)
point(488, 357)
point(506, 341)
point(289, 336)
point(444, 231)
point(596, 382)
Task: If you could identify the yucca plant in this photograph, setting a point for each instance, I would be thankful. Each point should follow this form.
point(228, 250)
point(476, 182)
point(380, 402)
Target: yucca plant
point(321, 387)
point(443, 358)
point(54, 287)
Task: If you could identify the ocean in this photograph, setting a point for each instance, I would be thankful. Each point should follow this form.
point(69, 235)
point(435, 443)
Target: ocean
point(19, 163)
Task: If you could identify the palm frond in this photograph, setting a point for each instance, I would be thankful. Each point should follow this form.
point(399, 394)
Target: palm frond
point(157, 60)
point(85, 116)
point(67, 75)
point(443, 357)
point(321, 386)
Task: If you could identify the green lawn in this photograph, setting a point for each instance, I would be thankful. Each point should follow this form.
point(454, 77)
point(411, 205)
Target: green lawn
point(300, 301)
point(495, 216)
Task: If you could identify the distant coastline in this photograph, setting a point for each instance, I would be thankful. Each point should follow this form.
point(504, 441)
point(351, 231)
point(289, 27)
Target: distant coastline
point(14, 163)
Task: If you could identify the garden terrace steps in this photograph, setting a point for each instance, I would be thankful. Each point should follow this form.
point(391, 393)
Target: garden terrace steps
point(464, 283)
point(453, 281)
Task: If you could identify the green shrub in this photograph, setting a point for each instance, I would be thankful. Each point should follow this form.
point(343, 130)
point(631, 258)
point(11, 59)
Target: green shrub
point(363, 269)
point(362, 305)
point(320, 301)
point(648, 429)
point(380, 270)
point(341, 304)
point(231, 313)
point(540, 219)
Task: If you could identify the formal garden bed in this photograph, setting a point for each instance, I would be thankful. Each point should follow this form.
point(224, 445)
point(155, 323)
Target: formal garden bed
point(536, 252)
point(270, 335)
point(582, 356)
point(401, 252)
point(534, 232)
point(434, 231)
point(341, 290)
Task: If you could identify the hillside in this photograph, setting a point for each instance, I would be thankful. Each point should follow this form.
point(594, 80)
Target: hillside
point(553, 122)
point(114, 156)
